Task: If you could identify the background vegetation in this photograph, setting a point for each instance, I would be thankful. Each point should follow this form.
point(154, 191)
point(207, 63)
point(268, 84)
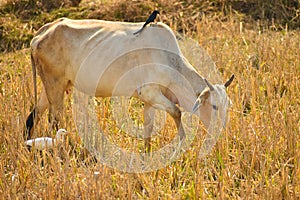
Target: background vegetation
point(21, 18)
point(258, 154)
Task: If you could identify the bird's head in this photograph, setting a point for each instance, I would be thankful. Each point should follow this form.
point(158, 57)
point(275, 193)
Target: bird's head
point(60, 134)
point(156, 12)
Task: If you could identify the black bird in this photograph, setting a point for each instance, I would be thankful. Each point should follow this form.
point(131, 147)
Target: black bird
point(150, 19)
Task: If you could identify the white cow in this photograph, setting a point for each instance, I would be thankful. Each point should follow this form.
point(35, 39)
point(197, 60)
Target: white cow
point(104, 58)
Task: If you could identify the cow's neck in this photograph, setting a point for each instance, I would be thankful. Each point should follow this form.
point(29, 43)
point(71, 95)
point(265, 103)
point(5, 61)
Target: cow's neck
point(196, 80)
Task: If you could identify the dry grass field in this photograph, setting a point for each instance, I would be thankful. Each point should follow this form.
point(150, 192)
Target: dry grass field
point(257, 156)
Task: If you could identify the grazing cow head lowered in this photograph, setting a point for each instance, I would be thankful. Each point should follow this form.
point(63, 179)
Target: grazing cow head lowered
point(215, 97)
point(103, 59)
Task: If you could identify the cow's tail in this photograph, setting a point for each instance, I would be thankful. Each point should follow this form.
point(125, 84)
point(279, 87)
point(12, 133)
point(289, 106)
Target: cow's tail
point(34, 79)
point(30, 118)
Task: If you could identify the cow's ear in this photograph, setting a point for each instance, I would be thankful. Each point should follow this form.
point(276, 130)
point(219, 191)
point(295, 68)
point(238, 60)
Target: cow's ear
point(201, 99)
point(204, 96)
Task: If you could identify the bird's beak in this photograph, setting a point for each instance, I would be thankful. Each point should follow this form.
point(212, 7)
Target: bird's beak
point(65, 132)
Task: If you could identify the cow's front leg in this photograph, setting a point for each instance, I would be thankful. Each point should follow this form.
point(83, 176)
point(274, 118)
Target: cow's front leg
point(55, 94)
point(154, 97)
point(149, 113)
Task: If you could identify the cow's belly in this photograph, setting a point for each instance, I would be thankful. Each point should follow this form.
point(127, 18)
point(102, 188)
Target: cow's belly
point(124, 75)
point(119, 81)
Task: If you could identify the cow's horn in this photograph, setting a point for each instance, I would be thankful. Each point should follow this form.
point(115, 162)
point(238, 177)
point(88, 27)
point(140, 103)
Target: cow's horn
point(229, 81)
point(209, 85)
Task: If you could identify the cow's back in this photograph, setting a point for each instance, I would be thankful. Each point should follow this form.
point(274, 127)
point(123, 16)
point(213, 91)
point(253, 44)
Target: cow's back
point(77, 49)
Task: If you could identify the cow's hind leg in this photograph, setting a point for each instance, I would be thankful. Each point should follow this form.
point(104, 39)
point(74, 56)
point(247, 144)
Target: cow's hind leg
point(55, 93)
point(153, 96)
point(35, 116)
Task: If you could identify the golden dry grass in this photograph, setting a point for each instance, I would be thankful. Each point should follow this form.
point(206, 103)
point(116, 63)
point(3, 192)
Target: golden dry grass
point(257, 156)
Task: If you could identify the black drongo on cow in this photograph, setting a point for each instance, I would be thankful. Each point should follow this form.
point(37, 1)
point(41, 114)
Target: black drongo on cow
point(150, 19)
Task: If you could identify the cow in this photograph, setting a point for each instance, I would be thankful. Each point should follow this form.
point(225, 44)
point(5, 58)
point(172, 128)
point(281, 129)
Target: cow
point(104, 59)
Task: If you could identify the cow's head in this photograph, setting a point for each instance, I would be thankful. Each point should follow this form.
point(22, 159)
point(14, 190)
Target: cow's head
point(213, 100)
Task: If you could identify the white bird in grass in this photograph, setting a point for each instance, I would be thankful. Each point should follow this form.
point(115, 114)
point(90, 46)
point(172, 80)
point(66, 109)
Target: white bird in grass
point(45, 142)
